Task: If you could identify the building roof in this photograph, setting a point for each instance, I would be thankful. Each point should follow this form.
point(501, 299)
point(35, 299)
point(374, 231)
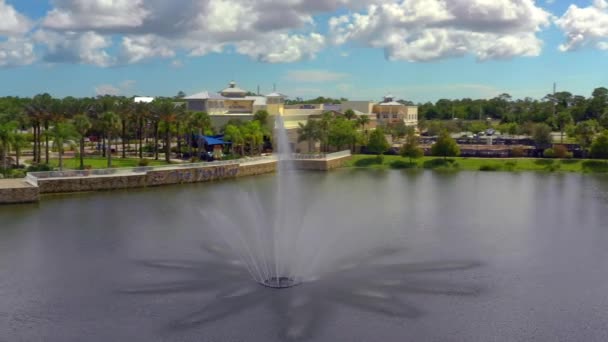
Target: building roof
point(392, 103)
point(233, 90)
point(205, 95)
point(143, 99)
point(258, 100)
point(275, 94)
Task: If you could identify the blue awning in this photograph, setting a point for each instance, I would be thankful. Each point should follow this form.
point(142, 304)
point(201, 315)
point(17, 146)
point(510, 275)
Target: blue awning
point(213, 140)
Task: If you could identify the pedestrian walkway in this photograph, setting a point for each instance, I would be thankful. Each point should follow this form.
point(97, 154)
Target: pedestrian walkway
point(14, 184)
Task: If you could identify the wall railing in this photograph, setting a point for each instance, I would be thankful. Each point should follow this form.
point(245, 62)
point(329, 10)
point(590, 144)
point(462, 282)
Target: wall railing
point(137, 170)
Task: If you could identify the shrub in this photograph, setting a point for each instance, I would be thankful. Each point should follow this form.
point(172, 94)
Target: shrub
point(510, 165)
point(439, 163)
point(143, 162)
point(38, 168)
point(560, 151)
point(518, 152)
point(379, 159)
point(17, 174)
point(595, 166)
point(549, 153)
point(366, 162)
point(489, 167)
point(402, 164)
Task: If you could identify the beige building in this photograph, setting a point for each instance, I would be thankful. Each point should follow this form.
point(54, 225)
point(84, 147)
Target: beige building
point(235, 103)
point(390, 111)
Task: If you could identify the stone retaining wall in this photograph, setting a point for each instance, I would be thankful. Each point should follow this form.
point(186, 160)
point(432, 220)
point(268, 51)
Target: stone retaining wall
point(24, 192)
point(95, 183)
point(153, 178)
point(320, 164)
point(21, 194)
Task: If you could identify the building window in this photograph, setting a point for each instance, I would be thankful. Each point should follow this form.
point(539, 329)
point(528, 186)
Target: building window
point(385, 116)
point(395, 116)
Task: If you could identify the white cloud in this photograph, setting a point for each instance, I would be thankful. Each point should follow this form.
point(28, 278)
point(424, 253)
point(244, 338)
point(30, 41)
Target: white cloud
point(585, 26)
point(138, 48)
point(422, 30)
point(270, 31)
point(75, 47)
point(282, 48)
point(11, 21)
point(314, 76)
point(124, 88)
point(95, 14)
point(16, 52)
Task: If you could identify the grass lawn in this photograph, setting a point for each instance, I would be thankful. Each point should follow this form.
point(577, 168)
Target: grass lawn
point(101, 163)
point(481, 164)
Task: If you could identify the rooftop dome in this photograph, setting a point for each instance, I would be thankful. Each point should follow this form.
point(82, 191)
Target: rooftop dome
point(233, 91)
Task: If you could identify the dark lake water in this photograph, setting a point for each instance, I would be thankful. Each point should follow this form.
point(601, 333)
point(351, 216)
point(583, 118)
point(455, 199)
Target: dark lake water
point(482, 257)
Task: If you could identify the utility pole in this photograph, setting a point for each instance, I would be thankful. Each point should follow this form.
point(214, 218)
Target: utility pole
point(554, 99)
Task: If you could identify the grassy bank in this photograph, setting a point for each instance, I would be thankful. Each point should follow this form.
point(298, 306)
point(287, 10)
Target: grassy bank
point(101, 163)
point(480, 164)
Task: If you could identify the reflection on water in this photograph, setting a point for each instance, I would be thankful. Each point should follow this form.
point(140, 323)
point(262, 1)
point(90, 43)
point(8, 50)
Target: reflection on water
point(374, 283)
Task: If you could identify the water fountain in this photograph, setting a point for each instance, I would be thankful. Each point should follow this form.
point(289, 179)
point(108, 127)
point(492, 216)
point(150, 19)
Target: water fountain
point(294, 236)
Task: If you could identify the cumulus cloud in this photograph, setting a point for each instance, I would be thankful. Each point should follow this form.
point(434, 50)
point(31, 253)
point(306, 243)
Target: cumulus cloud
point(11, 21)
point(587, 26)
point(270, 31)
point(75, 47)
point(16, 52)
point(95, 14)
point(423, 30)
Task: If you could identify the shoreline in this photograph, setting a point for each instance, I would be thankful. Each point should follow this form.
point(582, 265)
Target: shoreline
point(583, 166)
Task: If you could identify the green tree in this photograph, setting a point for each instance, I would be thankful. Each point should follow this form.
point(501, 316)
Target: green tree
point(541, 133)
point(7, 135)
point(253, 134)
point(261, 116)
point(233, 134)
point(200, 123)
point(363, 120)
point(167, 112)
point(349, 114)
point(584, 132)
point(599, 147)
point(125, 109)
point(82, 125)
point(111, 124)
point(61, 132)
point(342, 133)
point(562, 120)
point(309, 132)
point(445, 146)
point(411, 149)
point(377, 142)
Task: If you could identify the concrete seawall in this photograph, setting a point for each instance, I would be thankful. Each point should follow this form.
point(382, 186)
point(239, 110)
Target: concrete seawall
point(30, 189)
point(18, 191)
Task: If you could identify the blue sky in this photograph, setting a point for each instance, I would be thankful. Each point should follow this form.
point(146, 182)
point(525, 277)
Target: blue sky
point(419, 50)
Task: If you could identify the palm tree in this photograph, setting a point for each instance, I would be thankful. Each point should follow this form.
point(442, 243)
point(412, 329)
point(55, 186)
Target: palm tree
point(233, 134)
point(252, 132)
point(111, 123)
point(166, 111)
point(54, 115)
point(349, 114)
point(82, 125)
point(363, 120)
point(19, 141)
point(200, 121)
point(61, 132)
point(324, 126)
point(141, 113)
point(125, 109)
point(7, 134)
point(309, 132)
